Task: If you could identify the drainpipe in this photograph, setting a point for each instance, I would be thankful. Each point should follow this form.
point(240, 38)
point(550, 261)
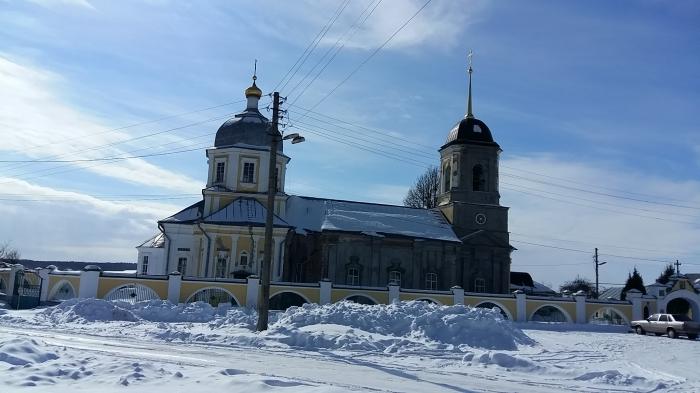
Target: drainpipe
point(167, 249)
point(206, 265)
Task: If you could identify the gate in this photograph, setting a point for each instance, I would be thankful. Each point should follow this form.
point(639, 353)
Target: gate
point(25, 294)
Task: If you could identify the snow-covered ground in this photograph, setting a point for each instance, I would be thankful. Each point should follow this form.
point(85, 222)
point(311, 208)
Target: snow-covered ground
point(94, 345)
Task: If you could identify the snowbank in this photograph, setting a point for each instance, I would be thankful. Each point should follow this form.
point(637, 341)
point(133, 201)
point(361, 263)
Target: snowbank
point(19, 352)
point(92, 310)
point(452, 325)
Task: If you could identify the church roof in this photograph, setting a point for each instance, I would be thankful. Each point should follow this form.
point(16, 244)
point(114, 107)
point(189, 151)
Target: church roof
point(319, 215)
point(249, 128)
point(243, 211)
point(187, 215)
point(157, 241)
point(470, 130)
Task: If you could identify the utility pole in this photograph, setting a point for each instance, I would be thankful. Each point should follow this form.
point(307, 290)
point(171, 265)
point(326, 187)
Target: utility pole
point(597, 265)
point(264, 298)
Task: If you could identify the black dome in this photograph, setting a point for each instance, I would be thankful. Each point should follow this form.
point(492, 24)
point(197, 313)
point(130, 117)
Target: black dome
point(249, 127)
point(470, 130)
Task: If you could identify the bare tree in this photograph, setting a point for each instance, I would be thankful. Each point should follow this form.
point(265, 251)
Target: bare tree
point(424, 193)
point(9, 254)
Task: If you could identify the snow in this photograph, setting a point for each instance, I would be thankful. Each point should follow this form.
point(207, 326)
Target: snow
point(94, 345)
point(317, 215)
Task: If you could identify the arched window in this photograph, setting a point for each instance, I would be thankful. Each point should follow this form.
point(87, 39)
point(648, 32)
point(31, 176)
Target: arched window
point(220, 171)
point(446, 178)
point(431, 281)
point(353, 277)
point(478, 181)
point(479, 285)
point(243, 259)
point(395, 277)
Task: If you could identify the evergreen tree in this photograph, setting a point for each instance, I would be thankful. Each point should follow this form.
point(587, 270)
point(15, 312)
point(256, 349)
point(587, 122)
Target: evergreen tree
point(425, 192)
point(634, 281)
point(666, 274)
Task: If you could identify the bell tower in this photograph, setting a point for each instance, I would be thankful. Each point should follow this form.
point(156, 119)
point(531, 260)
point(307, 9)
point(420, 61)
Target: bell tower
point(470, 200)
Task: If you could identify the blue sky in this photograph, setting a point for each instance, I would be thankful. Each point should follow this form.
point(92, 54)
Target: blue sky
point(599, 97)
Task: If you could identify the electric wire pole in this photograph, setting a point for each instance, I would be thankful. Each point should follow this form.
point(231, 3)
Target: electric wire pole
point(597, 264)
point(264, 297)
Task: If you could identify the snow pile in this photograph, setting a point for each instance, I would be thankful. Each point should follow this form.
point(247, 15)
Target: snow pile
point(91, 310)
point(455, 326)
point(19, 352)
point(88, 310)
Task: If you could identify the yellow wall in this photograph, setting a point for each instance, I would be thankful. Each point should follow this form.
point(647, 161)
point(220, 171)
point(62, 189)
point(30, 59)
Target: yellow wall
point(508, 304)
point(54, 279)
point(623, 309)
point(312, 294)
point(189, 288)
point(533, 305)
point(106, 284)
point(381, 297)
point(445, 300)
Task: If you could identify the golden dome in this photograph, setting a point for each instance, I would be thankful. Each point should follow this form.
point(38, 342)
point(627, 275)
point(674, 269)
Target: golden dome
point(253, 91)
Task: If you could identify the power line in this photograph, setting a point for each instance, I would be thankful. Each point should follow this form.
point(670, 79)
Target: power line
point(354, 28)
point(368, 58)
point(590, 253)
point(605, 194)
point(125, 127)
point(597, 207)
point(589, 184)
point(312, 45)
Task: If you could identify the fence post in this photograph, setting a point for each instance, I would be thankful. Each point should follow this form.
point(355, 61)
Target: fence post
point(394, 293)
point(174, 284)
point(44, 282)
point(11, 282)
point(457, 295)
point(89, 281)
point(520, 306)
point(325, 288)
point(252, 289)
point(580, 297)
point(635, 296)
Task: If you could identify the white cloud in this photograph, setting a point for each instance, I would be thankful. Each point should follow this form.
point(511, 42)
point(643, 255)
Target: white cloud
point(74, 226)
point(64, 3)
point(33, 113)
point(611, 224)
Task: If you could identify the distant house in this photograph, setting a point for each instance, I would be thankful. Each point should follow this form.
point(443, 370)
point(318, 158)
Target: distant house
point(524, 282)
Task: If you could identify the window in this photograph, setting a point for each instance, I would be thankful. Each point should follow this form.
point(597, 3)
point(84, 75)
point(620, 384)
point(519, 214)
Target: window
point(446, 178)
point(144, 265)
point(243, 259)
point(248, 172)
point(220, 170)
point(395, 277)
point(220, 267)
point(663, 318)
point(182, 265)
point(478, 181)
point(479, 285)
point(353, 276)
point(662, 292)
point(183, 249)
point(431, 281)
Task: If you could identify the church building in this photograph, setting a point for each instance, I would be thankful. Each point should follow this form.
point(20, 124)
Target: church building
point(464, 241)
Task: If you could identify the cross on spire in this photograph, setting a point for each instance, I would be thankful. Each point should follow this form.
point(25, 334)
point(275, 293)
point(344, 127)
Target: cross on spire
point(469, 101)
point(255, 70)
point(678, 267)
